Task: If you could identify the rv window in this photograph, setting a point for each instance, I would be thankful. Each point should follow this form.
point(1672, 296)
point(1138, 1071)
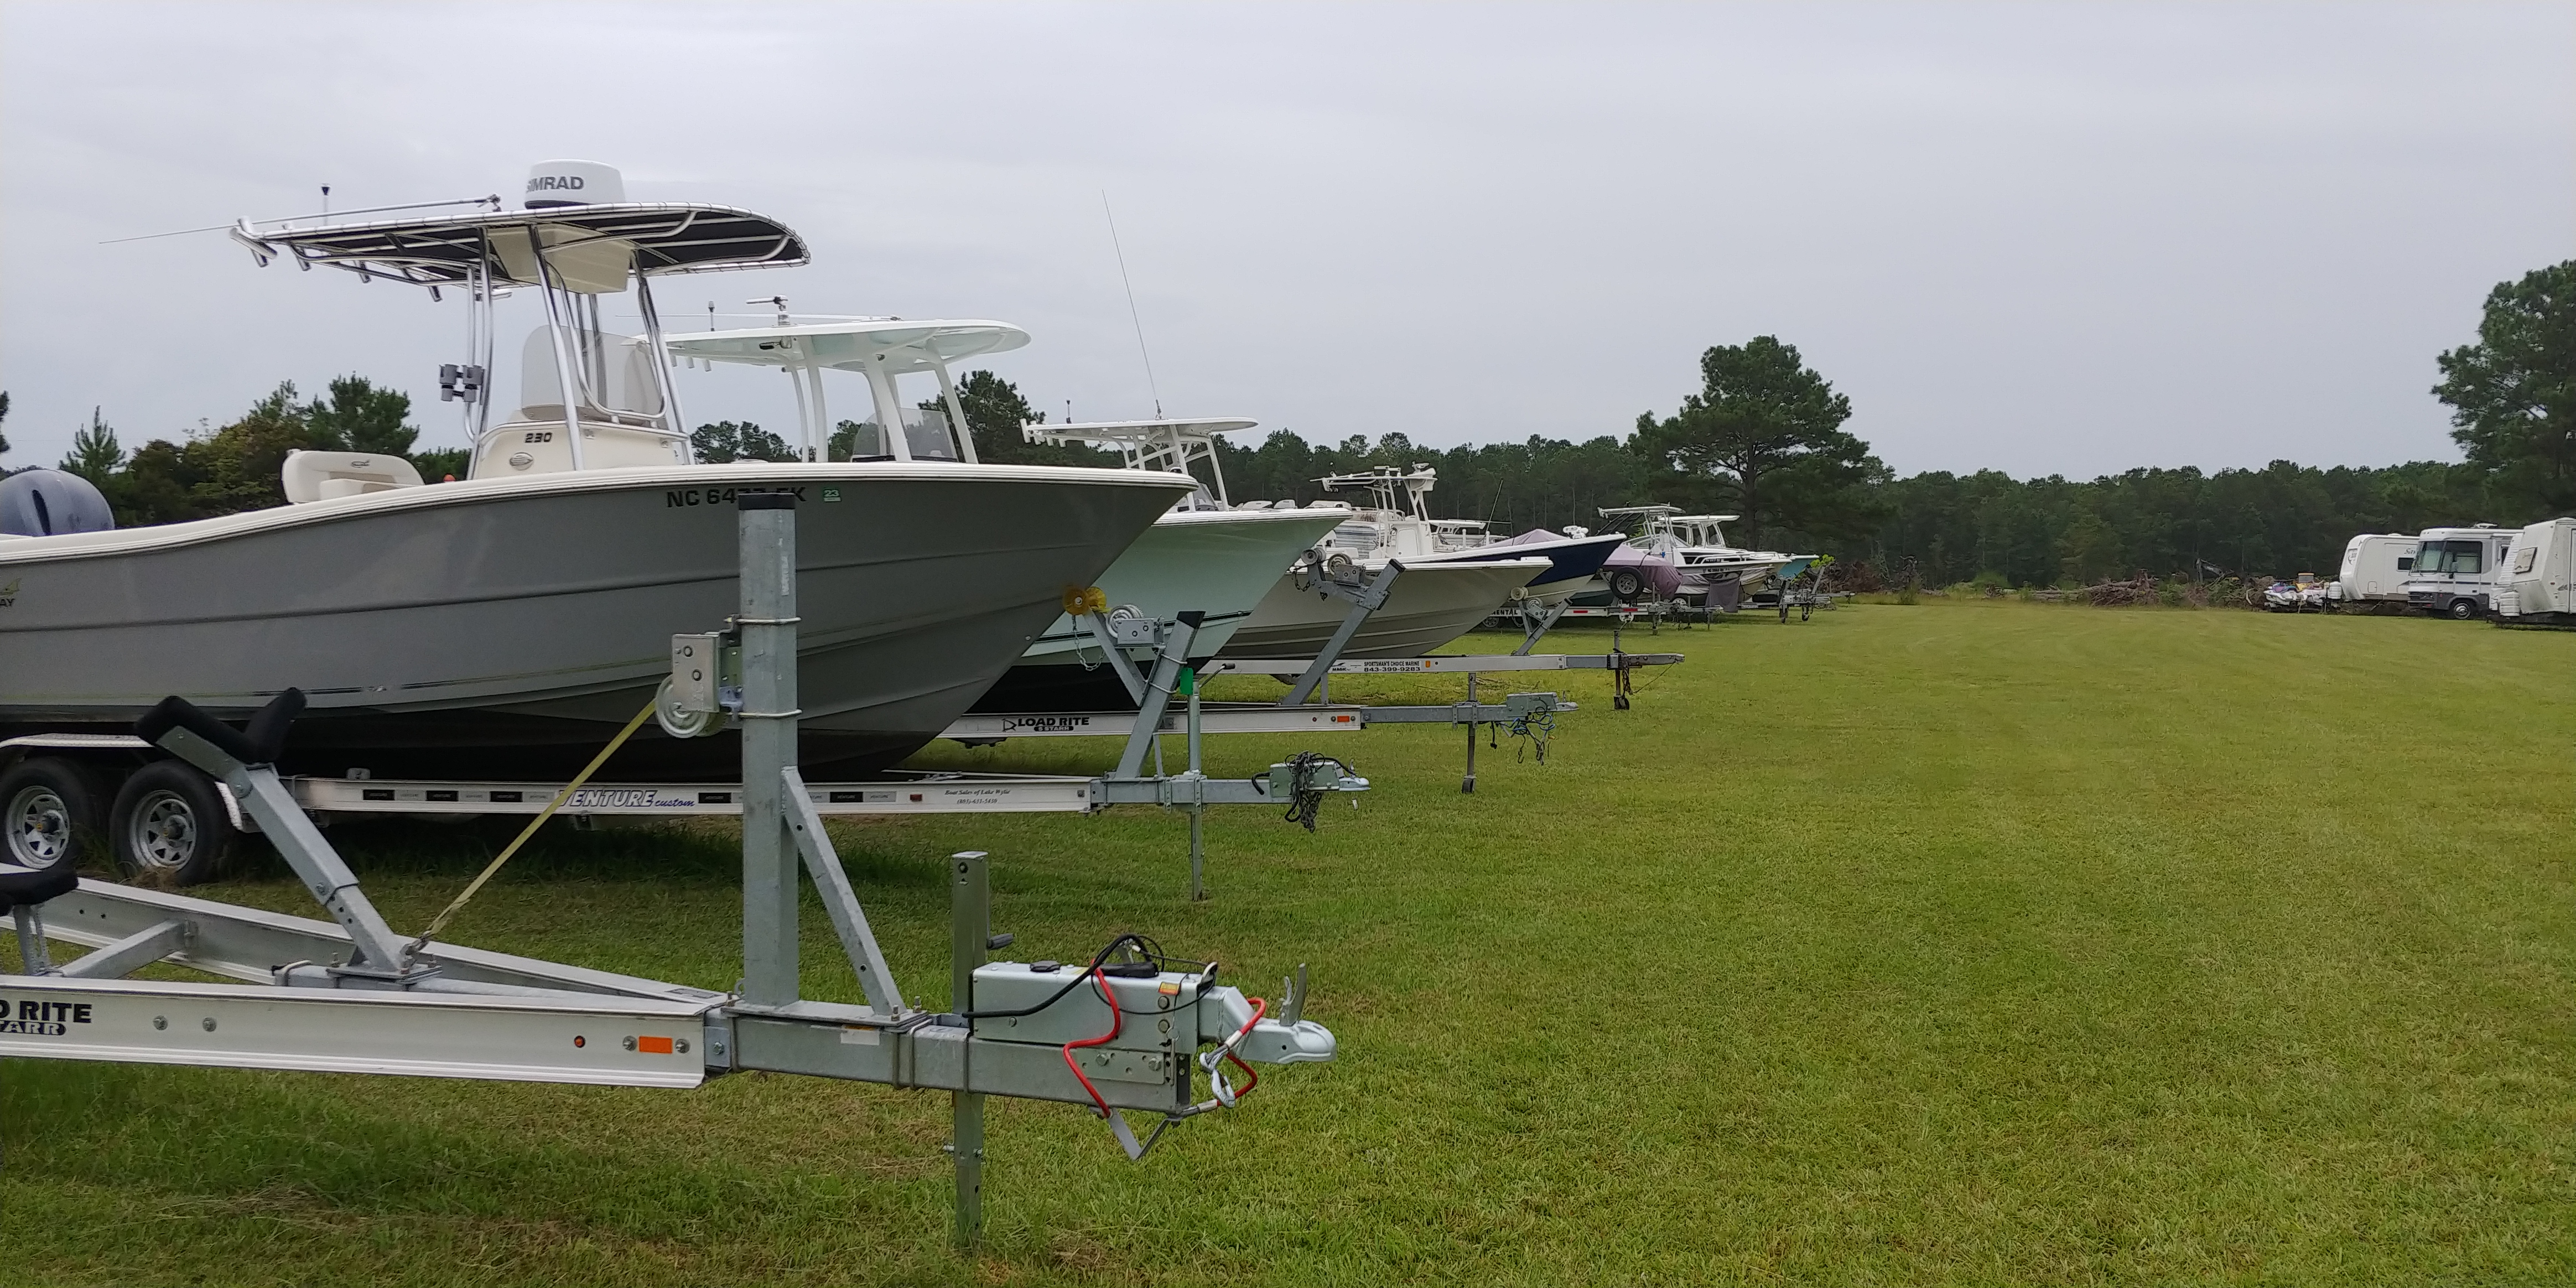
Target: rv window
point(2405, 563)
point(2428, 557)
point(2523, 558)
point(2467, 557)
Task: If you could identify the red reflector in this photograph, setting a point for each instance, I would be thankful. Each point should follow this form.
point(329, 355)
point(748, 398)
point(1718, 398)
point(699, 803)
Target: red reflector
point(916, 798)
point(653, 1046)
point(1341, 720)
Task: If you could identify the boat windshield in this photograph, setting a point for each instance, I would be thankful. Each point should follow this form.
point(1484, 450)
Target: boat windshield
point(615, 371)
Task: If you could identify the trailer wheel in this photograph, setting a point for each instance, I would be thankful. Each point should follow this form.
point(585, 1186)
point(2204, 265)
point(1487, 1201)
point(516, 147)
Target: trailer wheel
point(168, 825)
point(49, 806)
point(1626, 585)
point(2463, 610)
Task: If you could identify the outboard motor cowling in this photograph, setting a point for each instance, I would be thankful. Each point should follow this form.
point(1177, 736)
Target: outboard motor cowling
point(49, 503)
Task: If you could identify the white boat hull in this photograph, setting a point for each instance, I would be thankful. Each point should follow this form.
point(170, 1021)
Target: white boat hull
point(1216, 562)
point(1430, 605)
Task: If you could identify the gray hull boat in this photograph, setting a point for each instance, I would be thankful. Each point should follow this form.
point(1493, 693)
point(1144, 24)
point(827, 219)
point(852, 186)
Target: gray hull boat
point(514, 624)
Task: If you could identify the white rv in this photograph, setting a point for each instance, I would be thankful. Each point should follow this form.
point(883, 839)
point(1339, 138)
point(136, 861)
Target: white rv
point(2457, 570)
point(2375, 568)
point(2538, 583)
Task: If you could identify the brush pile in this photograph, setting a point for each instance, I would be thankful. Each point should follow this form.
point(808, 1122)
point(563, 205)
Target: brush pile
point(2145, 591)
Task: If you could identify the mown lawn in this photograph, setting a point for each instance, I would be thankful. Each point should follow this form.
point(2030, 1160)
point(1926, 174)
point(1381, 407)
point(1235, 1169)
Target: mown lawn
point(1951, 944)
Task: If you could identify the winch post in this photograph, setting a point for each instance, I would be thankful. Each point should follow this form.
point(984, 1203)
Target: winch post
point(767, 533)
point(1469, 786)
point(1198, 807)
point(1116, 655)
point(970, 938)
point(1366, 600)
point(1158, 693)
point(1546, 622)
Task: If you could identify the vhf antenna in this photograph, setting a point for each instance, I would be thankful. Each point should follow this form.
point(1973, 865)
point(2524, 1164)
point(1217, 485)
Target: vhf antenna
point(326, 202)
point(1132, 315)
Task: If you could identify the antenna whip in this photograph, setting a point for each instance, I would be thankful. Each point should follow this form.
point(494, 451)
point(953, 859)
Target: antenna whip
point(1132, 315)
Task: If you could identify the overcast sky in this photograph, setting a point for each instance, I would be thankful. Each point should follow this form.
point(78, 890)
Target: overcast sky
point(2063, 238)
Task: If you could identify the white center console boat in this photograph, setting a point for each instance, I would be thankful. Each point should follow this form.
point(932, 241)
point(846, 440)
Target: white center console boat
point(1399, 525)
point(523, 615)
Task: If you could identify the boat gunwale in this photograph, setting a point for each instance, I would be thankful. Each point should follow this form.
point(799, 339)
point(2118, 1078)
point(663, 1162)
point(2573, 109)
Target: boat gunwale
point(152, 538)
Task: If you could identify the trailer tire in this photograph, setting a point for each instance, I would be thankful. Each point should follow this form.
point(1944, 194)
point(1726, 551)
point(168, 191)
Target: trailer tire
point(2464, 610)
point(50, 808)
point(1627, 585)
point(168, 825)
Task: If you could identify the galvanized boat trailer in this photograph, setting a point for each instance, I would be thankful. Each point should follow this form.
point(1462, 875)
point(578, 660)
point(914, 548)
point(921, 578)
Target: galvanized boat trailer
point(709, 687)
point(1131, 1030)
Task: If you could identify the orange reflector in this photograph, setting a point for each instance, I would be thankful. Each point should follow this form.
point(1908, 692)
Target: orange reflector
point(1170, 987)
point(653, 1046)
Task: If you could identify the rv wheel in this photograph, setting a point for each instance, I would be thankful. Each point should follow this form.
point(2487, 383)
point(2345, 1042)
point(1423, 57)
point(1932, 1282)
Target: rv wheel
point(49, 808)
point(1626, 585)
point(2463, 610)
point(169, 825)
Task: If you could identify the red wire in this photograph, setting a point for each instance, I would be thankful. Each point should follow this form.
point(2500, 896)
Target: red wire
point(1116, 1021)
point(1259, 1009)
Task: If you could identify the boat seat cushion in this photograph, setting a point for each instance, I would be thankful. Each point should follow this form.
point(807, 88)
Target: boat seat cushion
point(27, 887)
point(321, 476)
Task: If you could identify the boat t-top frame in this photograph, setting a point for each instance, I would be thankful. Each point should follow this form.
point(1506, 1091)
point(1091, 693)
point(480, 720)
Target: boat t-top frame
point(878, 348)
point(571, 254)
point(1668, 521)
point(1385, 482)
point(1170, 445)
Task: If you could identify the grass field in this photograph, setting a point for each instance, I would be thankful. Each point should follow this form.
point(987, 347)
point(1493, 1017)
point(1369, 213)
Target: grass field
point(1985, 943)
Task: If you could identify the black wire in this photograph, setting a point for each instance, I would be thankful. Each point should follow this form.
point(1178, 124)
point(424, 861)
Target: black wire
point(1306, 802)
point(1146, 947)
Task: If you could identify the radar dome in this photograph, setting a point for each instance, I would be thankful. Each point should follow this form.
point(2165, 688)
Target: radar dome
point(572, 183)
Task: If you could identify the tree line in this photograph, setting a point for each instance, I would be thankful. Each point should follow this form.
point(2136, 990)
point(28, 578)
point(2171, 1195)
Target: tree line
point(1762, 438)
point(235, 467)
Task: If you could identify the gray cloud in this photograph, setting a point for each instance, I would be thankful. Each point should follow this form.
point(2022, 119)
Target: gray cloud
point(2036, 238)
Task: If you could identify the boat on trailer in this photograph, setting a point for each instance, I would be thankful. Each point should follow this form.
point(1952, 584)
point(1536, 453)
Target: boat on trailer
point(1304, 606)
point(1400, 525)
point(524, 614)
point(1199, 557)
point(1695, 546)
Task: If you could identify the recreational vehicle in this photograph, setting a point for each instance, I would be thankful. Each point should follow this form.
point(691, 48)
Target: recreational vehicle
point(2538, 584)
point(2457, 570)
point(2375, 568)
